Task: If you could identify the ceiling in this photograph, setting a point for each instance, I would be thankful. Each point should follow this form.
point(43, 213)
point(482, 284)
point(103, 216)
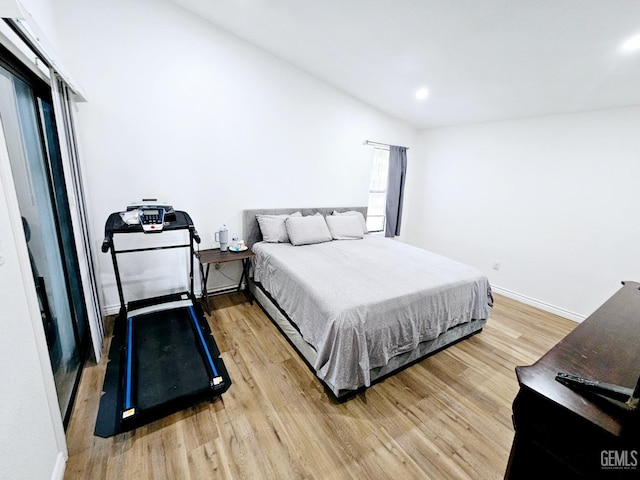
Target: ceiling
point(481, 60)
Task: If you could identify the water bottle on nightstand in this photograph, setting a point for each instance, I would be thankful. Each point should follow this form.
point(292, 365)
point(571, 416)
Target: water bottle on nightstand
point(222, 236)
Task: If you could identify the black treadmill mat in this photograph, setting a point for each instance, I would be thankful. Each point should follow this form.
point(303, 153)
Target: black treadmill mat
point(163, 366)
point(168, 360)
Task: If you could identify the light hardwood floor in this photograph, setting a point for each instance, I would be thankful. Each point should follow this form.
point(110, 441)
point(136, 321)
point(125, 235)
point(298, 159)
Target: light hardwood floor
point(447, 417)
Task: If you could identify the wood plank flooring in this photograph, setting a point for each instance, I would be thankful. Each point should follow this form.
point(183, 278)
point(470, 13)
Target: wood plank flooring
point(447, 417)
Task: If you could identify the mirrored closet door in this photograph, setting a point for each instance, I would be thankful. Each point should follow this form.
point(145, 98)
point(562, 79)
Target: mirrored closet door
point(34, 154)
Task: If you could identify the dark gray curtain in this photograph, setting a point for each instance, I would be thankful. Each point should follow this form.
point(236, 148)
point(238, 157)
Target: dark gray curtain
point(395, 189)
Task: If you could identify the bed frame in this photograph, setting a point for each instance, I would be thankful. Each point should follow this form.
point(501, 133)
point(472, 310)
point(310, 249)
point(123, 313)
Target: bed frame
point(252, 235)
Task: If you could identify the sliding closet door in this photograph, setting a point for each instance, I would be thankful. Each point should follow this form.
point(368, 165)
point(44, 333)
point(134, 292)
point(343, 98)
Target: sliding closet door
point(52, 150)
point(32, 154)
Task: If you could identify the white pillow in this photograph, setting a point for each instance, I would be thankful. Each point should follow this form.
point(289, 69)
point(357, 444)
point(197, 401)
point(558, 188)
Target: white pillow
point(307, 230)
point(354, 213)
point(344, 227)
point(272, 227)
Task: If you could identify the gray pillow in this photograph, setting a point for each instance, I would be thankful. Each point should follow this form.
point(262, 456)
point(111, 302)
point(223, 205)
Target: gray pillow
point(272, 227)
point(345, 227)
point(307, 230)
point(354, 213)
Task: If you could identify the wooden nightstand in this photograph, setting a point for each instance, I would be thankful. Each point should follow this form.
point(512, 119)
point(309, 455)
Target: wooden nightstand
point(215, 256)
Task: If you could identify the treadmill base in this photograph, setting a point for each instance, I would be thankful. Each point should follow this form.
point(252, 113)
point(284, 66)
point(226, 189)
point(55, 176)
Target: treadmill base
point(171, 362)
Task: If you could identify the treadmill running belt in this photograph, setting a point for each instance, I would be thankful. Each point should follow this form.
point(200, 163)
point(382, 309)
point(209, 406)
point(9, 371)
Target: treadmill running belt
point(160, 361)
point(167, 369)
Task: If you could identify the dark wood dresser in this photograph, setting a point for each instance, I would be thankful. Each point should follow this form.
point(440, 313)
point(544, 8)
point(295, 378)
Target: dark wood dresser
point(572, 435)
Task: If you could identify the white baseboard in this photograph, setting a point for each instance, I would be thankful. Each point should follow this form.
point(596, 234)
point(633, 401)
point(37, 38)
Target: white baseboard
point(538, 304)
point(59, 468)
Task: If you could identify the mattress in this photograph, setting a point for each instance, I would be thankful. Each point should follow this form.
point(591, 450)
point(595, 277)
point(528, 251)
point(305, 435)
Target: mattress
point(360, 303)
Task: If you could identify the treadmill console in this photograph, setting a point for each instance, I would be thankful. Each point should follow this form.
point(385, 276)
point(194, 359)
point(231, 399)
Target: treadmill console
point(152, 219)
point(151, 214)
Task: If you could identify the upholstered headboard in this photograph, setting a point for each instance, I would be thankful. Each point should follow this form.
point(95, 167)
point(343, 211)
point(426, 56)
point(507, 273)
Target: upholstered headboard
point(251, 229)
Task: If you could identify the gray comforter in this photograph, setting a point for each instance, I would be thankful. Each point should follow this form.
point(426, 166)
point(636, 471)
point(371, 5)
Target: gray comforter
point(361, 302)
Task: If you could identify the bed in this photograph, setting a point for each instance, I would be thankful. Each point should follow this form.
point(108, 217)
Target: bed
point(361, 308)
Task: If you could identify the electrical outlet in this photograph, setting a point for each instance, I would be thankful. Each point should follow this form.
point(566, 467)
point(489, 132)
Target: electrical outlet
point(497, 264)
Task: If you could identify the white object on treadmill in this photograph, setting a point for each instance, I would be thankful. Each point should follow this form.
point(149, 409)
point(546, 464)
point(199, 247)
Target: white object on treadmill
point(159, 307)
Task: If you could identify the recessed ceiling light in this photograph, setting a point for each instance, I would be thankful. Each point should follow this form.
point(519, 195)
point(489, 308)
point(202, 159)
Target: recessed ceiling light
point(422, 93)
point(632, 44)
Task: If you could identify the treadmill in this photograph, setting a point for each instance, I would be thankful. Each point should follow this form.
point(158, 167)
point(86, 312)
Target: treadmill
point(163, 357)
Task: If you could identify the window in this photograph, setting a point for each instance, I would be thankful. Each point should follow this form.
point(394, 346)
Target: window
point(378, 190)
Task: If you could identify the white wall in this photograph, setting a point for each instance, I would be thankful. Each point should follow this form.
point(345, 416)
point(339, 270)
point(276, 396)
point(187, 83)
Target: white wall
point(221, 124)
point(554, 199)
